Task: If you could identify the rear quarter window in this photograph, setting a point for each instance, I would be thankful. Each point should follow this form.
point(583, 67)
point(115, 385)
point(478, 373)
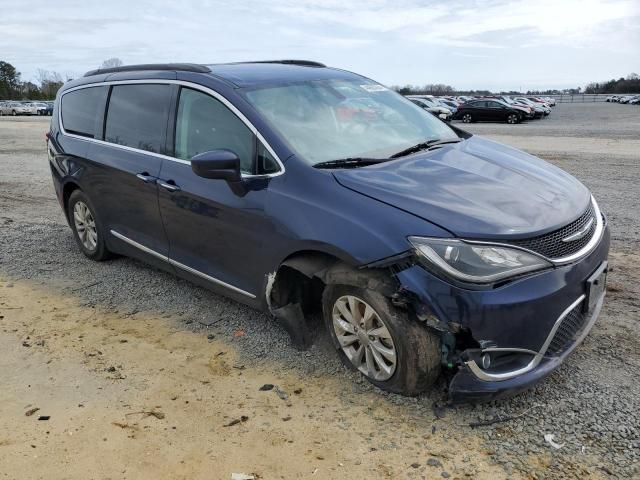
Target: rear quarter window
point(82, 111)
point(137, 116)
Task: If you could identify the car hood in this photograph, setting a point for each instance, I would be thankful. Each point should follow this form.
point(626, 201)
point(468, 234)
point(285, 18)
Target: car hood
point(475, 189)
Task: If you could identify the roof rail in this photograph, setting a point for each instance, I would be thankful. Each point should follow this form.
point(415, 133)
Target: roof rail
point(185, 67)
point(302, 63)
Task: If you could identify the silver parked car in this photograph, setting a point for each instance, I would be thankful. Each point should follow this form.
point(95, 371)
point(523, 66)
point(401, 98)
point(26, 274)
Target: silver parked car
point(16, 108)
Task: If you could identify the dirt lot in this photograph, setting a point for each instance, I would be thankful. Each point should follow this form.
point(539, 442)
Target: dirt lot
point(143, 375)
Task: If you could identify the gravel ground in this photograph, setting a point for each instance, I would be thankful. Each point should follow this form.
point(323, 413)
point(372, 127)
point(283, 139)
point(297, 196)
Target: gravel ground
point(591, 404)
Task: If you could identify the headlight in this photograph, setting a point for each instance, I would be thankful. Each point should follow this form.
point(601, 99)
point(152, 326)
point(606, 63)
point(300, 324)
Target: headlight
point(474, 262)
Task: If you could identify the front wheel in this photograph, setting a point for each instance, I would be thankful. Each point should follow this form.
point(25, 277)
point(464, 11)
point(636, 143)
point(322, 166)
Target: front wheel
point(391, 350)
point(467, 118)
point(13, 112)
point(512, 118)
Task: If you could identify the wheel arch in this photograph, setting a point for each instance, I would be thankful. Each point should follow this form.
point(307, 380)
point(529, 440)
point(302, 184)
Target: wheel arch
point(294, 290)
point(68, 188)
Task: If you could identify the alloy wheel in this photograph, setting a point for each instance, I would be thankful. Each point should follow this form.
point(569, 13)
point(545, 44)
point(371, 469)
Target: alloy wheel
point(513, 118)
point(85, 225)
point(466, 118)
point(364, 338)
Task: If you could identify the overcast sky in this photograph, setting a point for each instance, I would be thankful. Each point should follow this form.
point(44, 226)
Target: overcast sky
point(495, 44)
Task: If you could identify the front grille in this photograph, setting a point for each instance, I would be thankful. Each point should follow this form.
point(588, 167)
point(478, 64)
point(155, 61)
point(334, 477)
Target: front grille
point(551, 245)
point(570, 326)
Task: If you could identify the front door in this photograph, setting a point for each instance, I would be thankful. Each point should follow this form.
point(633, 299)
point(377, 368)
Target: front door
point(496, 112)
point(215, 228)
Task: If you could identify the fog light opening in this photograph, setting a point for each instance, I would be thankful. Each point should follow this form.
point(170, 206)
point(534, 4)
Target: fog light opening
point(486, 361)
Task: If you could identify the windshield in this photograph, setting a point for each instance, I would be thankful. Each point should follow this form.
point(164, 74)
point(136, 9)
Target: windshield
point(334, 119)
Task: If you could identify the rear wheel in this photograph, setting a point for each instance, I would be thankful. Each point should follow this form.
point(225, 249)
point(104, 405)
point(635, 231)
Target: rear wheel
point(467, 118)
point(87, 229)
point(513, 118)
point(392, 351)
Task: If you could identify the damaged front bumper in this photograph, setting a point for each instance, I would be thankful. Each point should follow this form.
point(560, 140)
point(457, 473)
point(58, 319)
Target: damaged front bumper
point(473, 384)
point(510, 337)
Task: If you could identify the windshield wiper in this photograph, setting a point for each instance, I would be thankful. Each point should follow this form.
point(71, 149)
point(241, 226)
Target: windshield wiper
point(423, 146)
point(351, 162)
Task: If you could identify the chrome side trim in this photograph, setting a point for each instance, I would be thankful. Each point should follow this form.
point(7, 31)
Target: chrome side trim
point(192, 85)
point(139, 246)
point(210, 278)
point(517, 350)
point(497, 377)
point(180, 265)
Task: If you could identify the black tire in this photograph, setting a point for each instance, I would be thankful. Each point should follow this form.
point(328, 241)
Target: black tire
point(13, 112)
point(100, 252)
point(513, 118)
point(467, 118)
point(417, 348)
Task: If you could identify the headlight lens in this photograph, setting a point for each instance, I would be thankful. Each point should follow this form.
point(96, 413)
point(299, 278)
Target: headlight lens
point(476, 263)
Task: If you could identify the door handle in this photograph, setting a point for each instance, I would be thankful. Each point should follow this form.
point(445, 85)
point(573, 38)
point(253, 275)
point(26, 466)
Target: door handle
point(145, 177)
point(169, 185)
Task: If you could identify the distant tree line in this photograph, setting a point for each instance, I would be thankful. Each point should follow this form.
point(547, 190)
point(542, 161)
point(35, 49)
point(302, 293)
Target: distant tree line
point(48, 82)
point(440, 89)
point(631, 84)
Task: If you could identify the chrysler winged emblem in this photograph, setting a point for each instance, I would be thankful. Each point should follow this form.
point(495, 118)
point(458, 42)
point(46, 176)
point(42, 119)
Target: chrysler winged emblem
point(580, 233)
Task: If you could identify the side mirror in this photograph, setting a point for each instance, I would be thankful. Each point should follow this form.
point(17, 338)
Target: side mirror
point(222, 164)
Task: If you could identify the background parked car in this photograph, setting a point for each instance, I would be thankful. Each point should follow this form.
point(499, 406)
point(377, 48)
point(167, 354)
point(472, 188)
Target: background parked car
point(16, 108)
point(33, 108)
point(488, 110)
point(432, 106)
point(43, 108)
point(539, 108)
point(527, 111)
point(450, 104)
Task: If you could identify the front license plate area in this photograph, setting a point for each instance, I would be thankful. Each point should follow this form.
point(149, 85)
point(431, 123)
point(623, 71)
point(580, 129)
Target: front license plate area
point(596, 285)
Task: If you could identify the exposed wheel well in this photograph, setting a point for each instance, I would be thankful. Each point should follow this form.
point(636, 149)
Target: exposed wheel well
point(294, 291)
point(299, 279)
point(68, 189)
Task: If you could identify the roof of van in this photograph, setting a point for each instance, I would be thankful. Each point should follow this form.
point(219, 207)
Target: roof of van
point(244, 74)
point(258, 73)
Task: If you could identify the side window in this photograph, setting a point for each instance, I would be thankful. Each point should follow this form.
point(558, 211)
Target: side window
point(82, 111)
point(204, 123)
point(137, 116)
point(266, 163)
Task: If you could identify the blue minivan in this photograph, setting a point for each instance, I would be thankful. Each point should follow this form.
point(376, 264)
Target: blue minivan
point(294, 188)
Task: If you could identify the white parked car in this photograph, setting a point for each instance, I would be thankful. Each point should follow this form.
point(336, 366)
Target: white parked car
point(430, 104)
point(538, 107)
point(625, 99)
point(16, 108)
